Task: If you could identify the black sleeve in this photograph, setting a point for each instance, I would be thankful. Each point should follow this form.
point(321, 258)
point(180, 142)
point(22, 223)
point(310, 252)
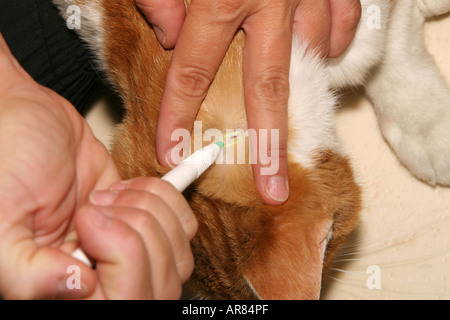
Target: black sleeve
point(50, 52)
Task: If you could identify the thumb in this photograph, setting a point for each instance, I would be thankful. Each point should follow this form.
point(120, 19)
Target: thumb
point(45, 273)
point(166, 16)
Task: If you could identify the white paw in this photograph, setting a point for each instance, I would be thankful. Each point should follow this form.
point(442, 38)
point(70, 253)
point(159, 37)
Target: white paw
point(426, 152)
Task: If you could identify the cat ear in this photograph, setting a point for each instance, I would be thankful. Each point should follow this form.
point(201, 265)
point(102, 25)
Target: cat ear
point(288, 264)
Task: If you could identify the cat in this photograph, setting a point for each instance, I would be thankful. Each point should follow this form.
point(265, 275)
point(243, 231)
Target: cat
point(245, 249)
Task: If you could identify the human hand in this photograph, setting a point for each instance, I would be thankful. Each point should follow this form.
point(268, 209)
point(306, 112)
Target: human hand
point(50, 162)
point(144, 253)
point(328, 25)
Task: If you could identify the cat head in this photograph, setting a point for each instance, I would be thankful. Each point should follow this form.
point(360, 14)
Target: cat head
point(245, 249)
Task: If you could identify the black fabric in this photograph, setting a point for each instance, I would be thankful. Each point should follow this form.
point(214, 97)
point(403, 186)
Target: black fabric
point(50, 52)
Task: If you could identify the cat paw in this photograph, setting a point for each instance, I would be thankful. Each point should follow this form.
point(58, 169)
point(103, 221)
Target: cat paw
point(425, 154)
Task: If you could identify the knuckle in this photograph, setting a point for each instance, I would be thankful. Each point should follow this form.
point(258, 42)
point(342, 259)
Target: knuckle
point(283, 153)
point(146, 223)
point(223, 11)
point(193, 82)
point(226, 6)
point(133, 241)
point(273, 90)
point(280, 148)
point(275, 146)
point(229, 7)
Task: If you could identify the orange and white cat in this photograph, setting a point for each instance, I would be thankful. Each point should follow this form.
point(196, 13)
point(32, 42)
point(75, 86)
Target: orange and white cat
point(244, 248)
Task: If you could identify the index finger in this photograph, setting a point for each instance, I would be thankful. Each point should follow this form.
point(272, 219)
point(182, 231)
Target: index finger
point(206, 35)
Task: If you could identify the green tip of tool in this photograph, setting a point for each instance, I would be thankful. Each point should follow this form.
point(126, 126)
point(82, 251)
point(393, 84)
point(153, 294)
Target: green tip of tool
point(220, 144)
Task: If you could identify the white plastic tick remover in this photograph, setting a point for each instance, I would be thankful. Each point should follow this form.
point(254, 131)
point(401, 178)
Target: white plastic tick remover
point(191, 168)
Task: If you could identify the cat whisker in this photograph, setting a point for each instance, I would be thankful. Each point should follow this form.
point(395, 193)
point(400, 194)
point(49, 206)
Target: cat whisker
point(341, 270)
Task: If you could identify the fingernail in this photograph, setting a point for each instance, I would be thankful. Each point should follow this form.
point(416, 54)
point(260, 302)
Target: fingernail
point(160, 35)
point(101, 216)
point(103, 198)
point(174, 156)
point(278, 188)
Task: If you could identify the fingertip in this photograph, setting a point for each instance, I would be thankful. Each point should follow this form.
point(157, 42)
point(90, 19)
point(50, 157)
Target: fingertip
point(274, 190)
point(167, 35)
point(272, 180)
point(173, 131)
point(163, 150)
point(312, 24)
point(166, 16)
point(345, 17)
point(160, 35)
point(277, 187)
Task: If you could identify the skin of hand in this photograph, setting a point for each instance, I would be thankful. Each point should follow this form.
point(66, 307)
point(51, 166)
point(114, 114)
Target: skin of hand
point(137, 231)
point(328, 25)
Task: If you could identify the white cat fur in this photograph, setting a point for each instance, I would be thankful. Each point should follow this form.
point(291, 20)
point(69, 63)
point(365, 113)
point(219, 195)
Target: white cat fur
point(411, 98)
